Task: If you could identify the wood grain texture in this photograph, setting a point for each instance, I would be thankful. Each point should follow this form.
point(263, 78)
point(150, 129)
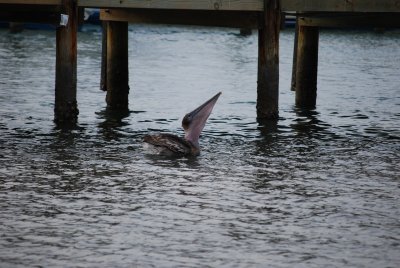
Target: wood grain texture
point(342, 20)
point(66, 108)
point(245, 5)
point(238, 19)
point(307, 66)
point(117, 75)
point(31, 2)
point(249, 5)
point(268, 62)
point(341, 5)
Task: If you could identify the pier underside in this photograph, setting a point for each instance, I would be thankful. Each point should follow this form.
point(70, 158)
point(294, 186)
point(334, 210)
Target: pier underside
point(263, 15)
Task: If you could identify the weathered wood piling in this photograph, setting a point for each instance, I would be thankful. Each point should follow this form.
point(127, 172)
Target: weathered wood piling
point(66, 107)
point(264, 15)
point(268, 62)
point(307, 66)
point(117, 65)
point(294, 63)
point(103, 74)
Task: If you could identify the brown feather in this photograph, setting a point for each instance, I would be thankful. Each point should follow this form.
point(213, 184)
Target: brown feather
point(171, 144)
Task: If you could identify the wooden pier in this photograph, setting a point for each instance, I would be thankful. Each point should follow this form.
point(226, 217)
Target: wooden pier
point(263, 15)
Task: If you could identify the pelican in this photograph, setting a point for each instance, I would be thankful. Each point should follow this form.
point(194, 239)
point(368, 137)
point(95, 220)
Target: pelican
point(192, 123)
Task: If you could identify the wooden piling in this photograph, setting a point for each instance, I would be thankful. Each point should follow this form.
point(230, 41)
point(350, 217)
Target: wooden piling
point(117, 65)
point(307, 66)
point(296, 35)
point(268, 62)
point(103, 79)
point(66, 108)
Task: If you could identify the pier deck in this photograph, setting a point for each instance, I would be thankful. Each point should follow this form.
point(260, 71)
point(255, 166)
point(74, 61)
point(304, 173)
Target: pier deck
point(238, 5)
point(264, 15)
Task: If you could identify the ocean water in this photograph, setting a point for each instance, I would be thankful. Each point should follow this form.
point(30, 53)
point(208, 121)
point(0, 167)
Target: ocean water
point(317, 188)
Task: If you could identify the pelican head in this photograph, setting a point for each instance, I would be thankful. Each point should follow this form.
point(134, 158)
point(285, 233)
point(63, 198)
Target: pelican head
point(194, 122)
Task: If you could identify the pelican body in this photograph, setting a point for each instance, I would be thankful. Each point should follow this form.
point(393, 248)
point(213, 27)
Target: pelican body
point(192, 123)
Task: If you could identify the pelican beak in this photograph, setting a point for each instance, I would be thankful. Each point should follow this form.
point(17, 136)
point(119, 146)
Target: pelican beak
point(194, 122)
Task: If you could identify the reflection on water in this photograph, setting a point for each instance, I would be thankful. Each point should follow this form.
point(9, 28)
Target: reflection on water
point(315, 188)
point(112, 122)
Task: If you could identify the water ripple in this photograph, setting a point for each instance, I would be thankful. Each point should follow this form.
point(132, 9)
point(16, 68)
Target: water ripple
point(316, 188)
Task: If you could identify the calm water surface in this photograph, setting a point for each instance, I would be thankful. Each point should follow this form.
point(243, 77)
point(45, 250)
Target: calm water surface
point(318, 188)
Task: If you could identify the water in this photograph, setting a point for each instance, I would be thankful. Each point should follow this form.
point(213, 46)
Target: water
point(316, 189)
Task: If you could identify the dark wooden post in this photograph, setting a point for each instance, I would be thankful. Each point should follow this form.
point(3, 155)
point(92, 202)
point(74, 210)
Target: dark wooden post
point(307, 67)
point(103, 79)
point(66, 108)
point(268, 62)
point(117, 65)
point(294, 65)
